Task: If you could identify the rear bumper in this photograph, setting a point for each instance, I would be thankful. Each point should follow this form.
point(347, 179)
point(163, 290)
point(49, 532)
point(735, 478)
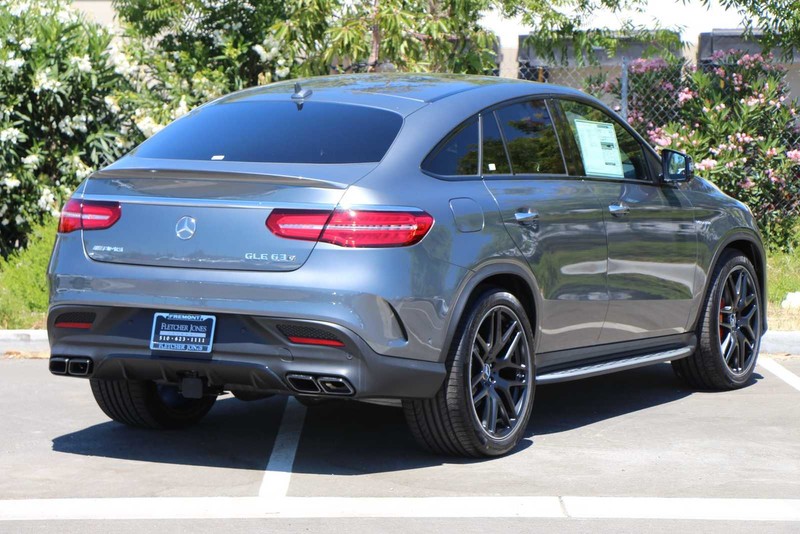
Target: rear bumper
point(250, 353)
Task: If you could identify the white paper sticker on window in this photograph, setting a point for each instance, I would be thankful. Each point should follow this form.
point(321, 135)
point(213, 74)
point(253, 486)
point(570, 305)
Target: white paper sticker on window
point(599, 149)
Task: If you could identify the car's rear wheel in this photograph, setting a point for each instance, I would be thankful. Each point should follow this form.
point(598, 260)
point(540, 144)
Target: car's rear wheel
point(730, 328)
point(146, 404)
point(484, 405)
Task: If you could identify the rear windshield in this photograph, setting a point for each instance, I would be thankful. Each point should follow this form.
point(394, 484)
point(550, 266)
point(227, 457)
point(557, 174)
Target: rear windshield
point(277, 132)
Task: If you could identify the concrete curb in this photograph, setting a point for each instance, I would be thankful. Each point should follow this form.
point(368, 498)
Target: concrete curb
point(23, 335)
point(777, 342)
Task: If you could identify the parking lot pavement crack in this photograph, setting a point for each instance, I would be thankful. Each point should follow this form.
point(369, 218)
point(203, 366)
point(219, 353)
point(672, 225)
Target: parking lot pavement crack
point(563, 506)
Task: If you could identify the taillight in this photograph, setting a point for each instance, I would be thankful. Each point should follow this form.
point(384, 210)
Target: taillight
point(298, 224)
point(349, 228)
point(352, 228)
point(88, 215)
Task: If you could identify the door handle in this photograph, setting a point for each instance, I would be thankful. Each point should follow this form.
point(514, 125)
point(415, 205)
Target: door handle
point(526, 216)
point(619, 210)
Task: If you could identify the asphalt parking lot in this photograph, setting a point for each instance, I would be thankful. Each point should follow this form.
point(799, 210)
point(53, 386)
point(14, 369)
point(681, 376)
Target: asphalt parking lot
point(634, 451)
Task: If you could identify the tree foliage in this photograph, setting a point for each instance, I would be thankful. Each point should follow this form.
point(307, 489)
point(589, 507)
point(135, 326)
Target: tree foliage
point(227, 37)
point(428, 35)
point(558, 26)
point(324, 36)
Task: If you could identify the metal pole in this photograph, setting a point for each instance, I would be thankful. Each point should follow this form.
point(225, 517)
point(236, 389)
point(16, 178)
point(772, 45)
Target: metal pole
point(624, 95)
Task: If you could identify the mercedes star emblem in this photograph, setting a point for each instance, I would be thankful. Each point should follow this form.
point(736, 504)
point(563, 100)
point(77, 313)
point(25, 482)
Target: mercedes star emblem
point(185, 228)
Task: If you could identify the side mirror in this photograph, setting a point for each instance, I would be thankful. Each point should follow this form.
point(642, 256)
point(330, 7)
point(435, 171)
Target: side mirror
point(676, 166)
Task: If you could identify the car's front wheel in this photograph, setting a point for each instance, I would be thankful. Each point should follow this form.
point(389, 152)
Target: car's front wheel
point(484, 405)
point(146, 404)
point(730, 328)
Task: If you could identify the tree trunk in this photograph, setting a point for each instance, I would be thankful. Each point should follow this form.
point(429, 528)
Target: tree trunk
point(374, 54)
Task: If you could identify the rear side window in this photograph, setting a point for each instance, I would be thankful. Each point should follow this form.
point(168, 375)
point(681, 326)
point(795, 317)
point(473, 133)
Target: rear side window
point(495, 160)
point(277, 132)
point(458, 155)
point(531, 138)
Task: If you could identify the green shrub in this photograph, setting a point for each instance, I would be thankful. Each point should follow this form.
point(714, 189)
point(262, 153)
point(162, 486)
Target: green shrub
point(23, 282)
point(59, 117)
point(738, 123)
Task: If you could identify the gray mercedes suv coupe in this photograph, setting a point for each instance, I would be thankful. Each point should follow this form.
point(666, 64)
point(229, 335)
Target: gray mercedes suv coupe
point(444, 242)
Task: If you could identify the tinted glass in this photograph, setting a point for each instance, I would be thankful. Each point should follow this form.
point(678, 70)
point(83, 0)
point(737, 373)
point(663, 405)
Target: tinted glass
point(531, 139)
point(458, 155)
point(495, 160)
point(607, 149)
point(277, 132)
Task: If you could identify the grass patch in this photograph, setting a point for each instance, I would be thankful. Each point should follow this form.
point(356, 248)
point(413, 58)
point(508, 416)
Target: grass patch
point(23, 282)
point(780, 319)
point(783, 275)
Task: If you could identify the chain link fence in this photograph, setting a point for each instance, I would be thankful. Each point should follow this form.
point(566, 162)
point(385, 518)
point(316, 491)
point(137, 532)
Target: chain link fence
point(642, 93)
point(649, 95)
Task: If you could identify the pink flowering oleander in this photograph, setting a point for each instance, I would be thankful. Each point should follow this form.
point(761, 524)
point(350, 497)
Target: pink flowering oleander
point(640, 66)
point(706, 164)
point(685, 95)
point(794, 155)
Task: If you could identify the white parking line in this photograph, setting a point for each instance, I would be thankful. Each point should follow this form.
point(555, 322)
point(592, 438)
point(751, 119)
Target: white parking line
point(149, 508)
point(278, 472)
point(709, 509)
point(780, 371)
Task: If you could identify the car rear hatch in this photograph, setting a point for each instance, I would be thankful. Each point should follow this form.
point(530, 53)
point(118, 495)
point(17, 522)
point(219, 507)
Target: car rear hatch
point(195, 218)
point(198, 193)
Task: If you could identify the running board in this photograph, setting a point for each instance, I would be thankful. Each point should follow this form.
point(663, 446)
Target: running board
point(613, 366)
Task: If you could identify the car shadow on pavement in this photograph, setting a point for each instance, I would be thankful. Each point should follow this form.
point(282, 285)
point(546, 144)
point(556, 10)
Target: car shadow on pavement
point(570, 405)
point(235, 435)
point(352, 438)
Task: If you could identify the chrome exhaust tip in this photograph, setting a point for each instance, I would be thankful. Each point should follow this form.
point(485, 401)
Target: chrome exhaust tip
point(334, 385)
point(303, 383)
point(79, 366)
point(58, 365)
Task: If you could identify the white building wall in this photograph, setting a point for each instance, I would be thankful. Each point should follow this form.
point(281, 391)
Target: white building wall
point(99, 10)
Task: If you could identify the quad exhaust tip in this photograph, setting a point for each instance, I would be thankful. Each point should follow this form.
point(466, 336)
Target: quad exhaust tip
point(303, 383)
point(323, 385)
point(71, 366)
point(334, 385)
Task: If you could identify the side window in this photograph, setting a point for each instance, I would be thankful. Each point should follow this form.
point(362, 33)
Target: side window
point(495, 160)
point(458, 154)
point(531, 138)
point(607, 149)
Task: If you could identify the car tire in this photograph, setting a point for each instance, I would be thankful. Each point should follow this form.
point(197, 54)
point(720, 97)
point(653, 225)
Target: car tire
point(145, 404)
point(729, 329)
point(490, 373)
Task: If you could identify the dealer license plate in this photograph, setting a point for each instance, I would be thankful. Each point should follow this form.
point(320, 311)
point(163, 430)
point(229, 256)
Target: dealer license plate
point(182, 332)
